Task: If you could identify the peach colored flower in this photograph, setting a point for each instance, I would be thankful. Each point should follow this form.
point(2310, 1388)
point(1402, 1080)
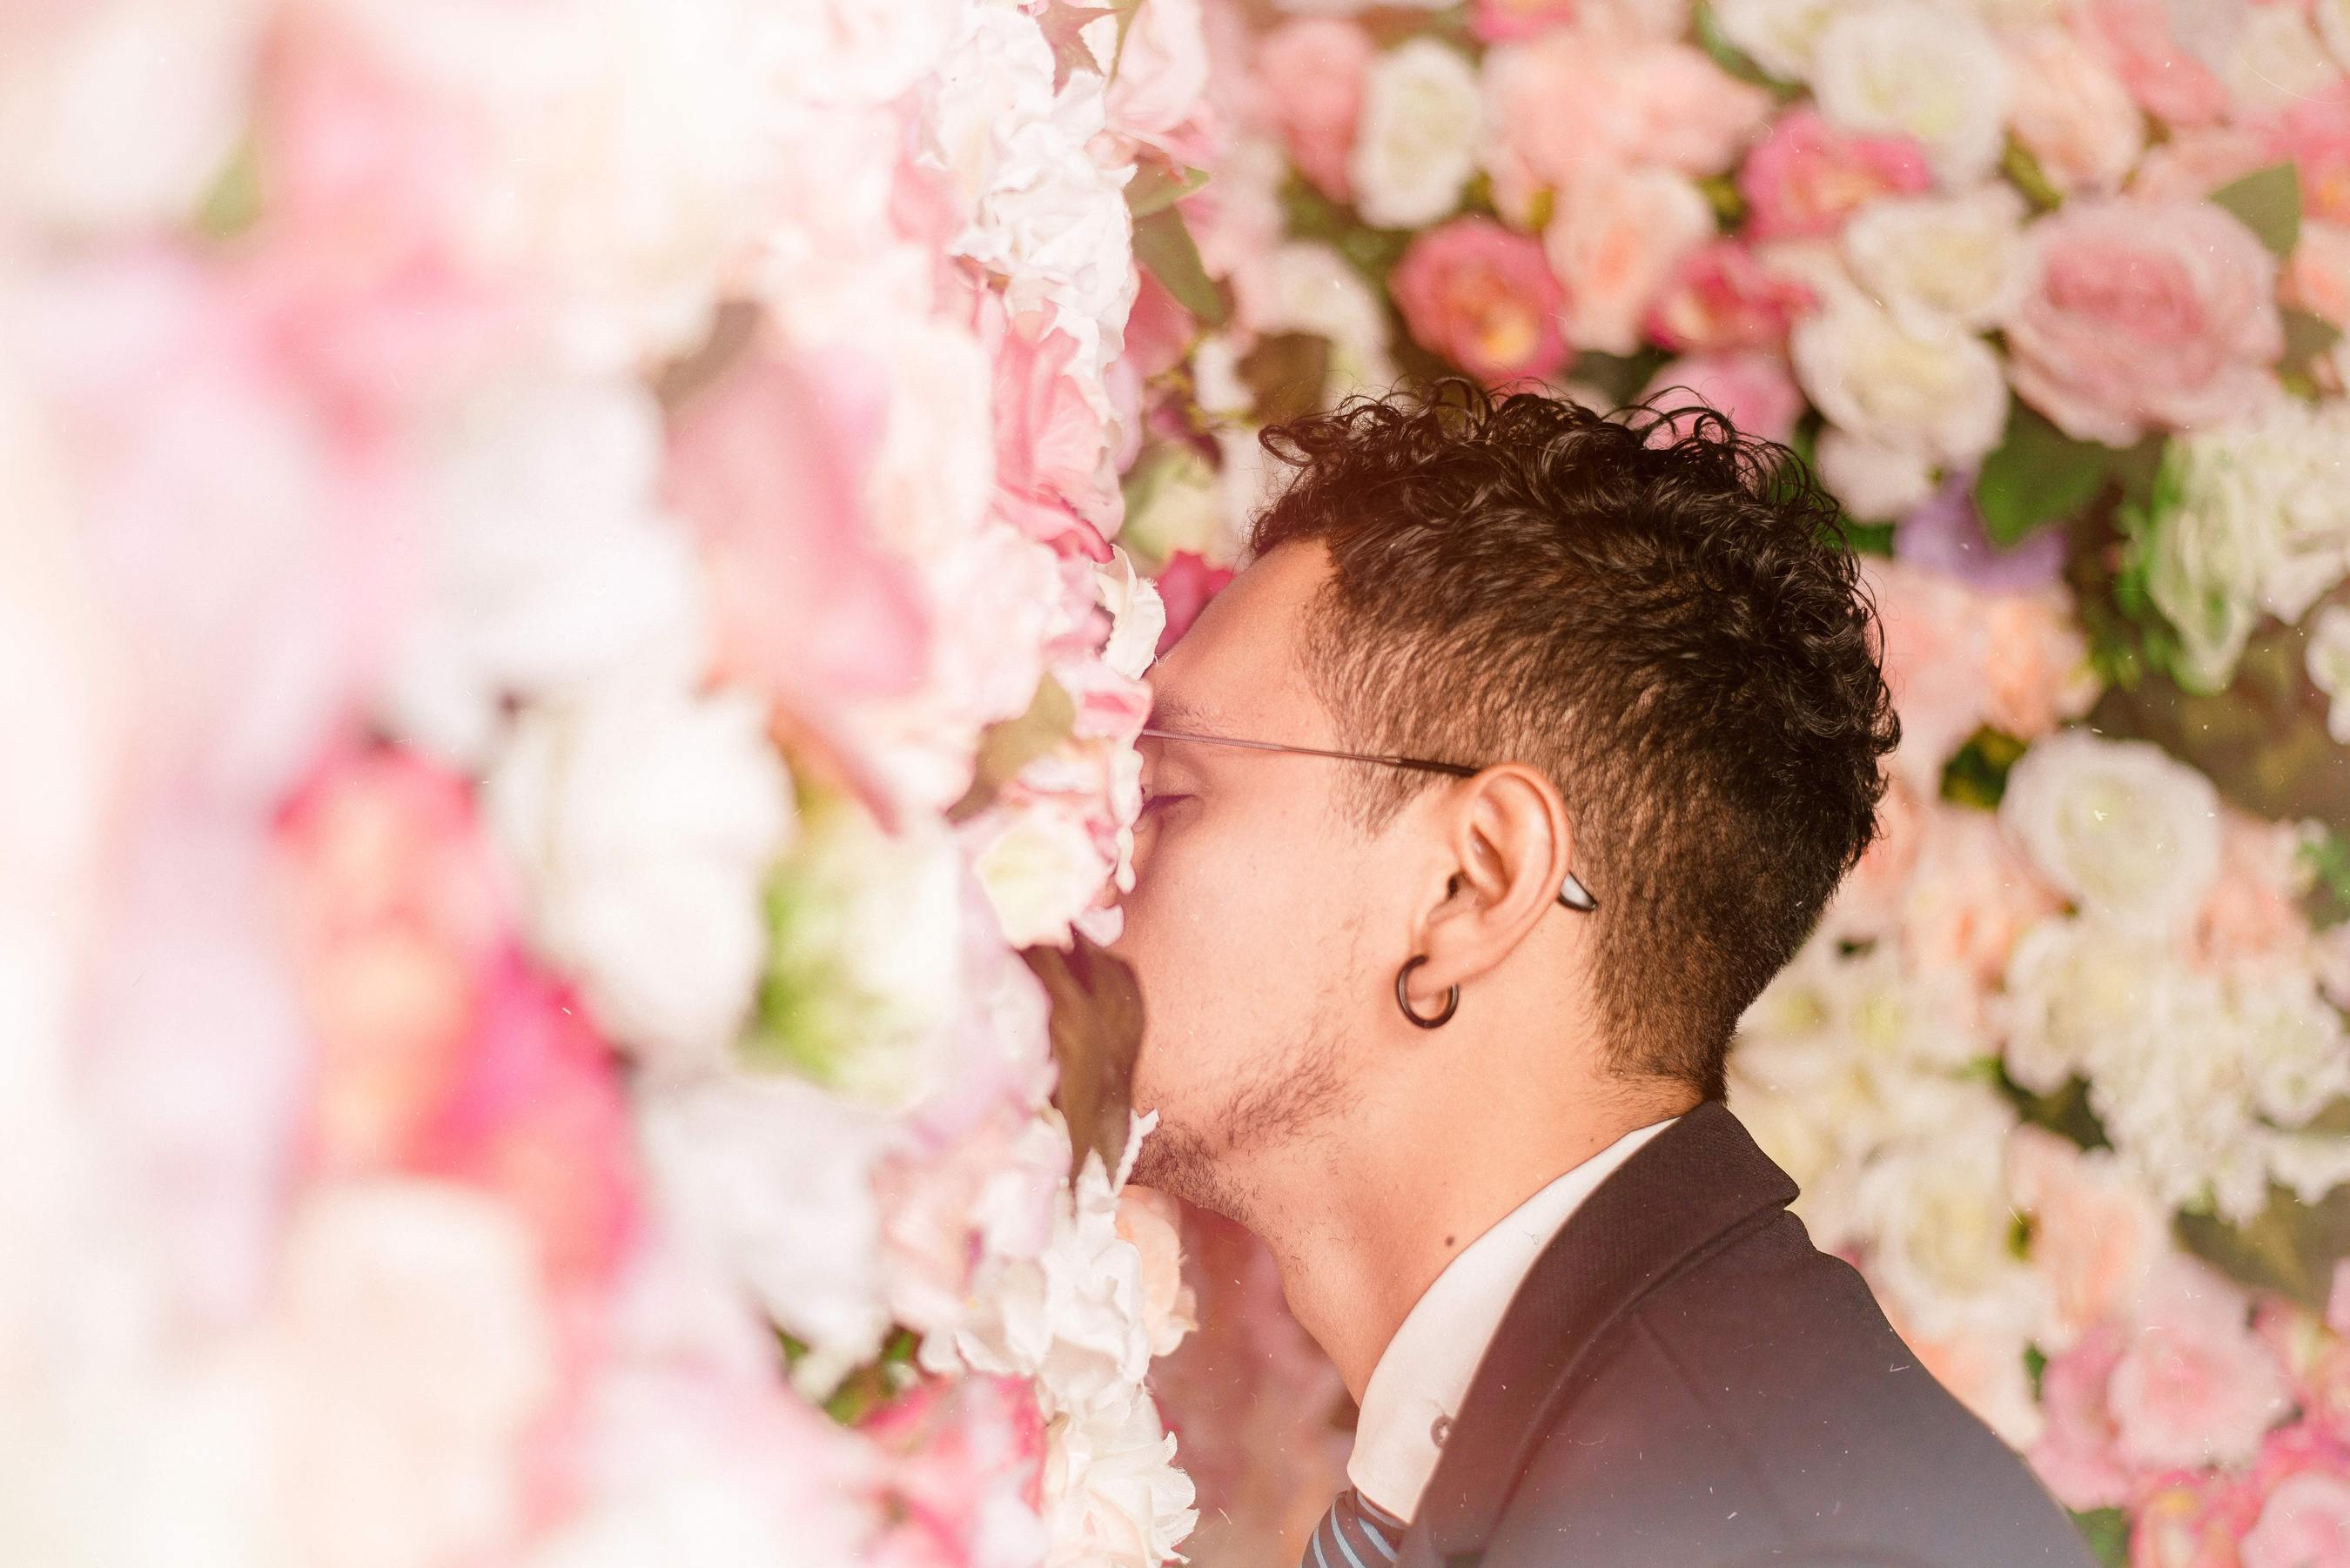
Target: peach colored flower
point(1615, 238)
point(2253, 909)
point(1721, 296)
point(1807, 177)
point(1311, 69)
point(2145, 314)
point(1558, 107)
point(1756, 391)
point(2313, 133)
point(2095, 1231)
point(2072, 112)
point(1970, 896)
point(1483, 297)
point(2194, 1386)
point(2303, 1486)
point(2137, 42)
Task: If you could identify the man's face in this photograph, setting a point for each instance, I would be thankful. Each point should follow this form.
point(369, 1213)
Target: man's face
point(1249, 923)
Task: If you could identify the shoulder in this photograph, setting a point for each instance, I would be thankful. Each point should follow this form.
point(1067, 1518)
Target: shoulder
point(1757, 1402)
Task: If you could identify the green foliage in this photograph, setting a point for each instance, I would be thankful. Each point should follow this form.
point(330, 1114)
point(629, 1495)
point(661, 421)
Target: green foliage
point(1159, 185)
point(1977, 776)
point(1006, 747)
point(232, 205)
point(2024, 172)
point(2268, 201)
point(1310, 216)
point(2035, 1367)
point(2107, 1530)
point(2289, 1248)
point(2036, 475)
point(869, 1386)
point(1730, 56)
point(2063, 1111)
point(2329, 862)
point(1163, 244)
point(1621, 376)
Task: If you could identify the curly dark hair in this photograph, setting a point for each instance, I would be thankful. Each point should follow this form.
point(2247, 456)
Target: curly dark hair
point(1660, 614)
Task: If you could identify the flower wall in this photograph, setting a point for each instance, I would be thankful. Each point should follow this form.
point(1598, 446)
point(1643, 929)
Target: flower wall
point(2050, 293)
point(561, 646)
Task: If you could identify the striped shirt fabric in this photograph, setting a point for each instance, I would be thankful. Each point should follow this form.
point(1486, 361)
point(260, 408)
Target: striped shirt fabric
point(1356, 1533)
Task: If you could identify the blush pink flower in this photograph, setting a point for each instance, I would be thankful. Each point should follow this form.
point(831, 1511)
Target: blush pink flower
point(1615, 238)
point(2198, 163)
point(1186, 583)
point(2075, 1457)
point(1721, 296)
point(1557, 108)
point(1869, 898)
point(1806, 177)
point(2186, 1519)
point(2253, 910)
point(2194, 1386)
point(2072, 111)
point(2096, 1233)
point(963, 1469)
point(2144, 314)
point(2136, 39)
point(1507, 21)
point(1311, 69)
point(1051, 481)
point(2301, 1489)
point(1483, 297)
point(1971, 897)
point(2313, 134)
point(1756, 391)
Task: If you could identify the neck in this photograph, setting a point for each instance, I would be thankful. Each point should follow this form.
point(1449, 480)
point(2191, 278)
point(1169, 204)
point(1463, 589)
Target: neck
point(1361, 1224)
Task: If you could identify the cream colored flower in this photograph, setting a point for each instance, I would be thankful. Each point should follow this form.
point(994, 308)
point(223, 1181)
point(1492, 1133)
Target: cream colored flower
point(2329, 665)
point(1935, 390)
point(2130, 833)
point(1909, 67)
point(1941, 261)
point(1417, 141)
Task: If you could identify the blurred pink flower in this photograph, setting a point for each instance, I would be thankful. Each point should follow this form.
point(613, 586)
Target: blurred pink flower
point(1721, 296)
point(1507, 21)
point(1615, 238)
point(1162, 72)
point(2194, 1385)
point(1483, 297)
point(1158, 332)
point(964, 1472)
point(2145, 314)
point(2137, 42)
point(1756, 392)
point(1971, 897)
point(2301, 1489)
point(2072, 112)
point(2253, 909)
point(1869, 898)
point(1311, 69)
point(2075, 1456)
point(1806, 177)
point(1050, 478)
point(2096, 1232)
point(768, 466)
point(2313, 133)
point(2186, 1519)
point(2196, 162)
point(1556, 108)
point(1186, 583)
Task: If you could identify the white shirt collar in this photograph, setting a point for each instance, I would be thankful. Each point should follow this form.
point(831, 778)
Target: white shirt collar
point(1416, 1387)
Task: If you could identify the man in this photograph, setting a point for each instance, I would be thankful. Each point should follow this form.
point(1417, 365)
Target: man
point(1445, 1026)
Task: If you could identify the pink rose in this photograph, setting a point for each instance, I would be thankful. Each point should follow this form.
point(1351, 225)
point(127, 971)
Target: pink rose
point(1507, 21)
point(1051, 479)
point(2317, 277)
point(1807, 177)
point(1186, 583)
point(1971, 897)
point(2094, 1233)
point(2136, 39)
point(965, 1464)
point(1756, 391)
point(2252, 908)
point(2194, 1386)
point(1721, 296)
point(1558, 108)
point(1483, 297)
point(2303, 1488)
point(2075, 1457)
point(2313, 134)
point(1311, 70)
point(2072, 113)
point(1615, 238)
point(2145, 314)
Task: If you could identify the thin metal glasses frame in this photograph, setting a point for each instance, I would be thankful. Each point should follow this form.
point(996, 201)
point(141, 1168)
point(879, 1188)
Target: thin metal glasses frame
point(1573, 895)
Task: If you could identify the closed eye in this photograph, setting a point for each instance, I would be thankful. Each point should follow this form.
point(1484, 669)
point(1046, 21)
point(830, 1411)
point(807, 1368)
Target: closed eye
point(1153, 805)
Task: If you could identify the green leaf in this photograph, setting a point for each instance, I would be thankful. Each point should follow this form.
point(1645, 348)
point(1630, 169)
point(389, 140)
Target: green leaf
point(2268, 201)
point(2024, 172)
point(2035, 1367)
point(1866, 539)
point(1286, 373)
point(1006, 747)
point(2306, 338)
point(2290, 1247)
point(2329, 857)
point(2037, 475)
point(232, 205)
point(1096, 1028)
point(1064, 25)
point(1977, 776)
point(1156, 186)
point(1162, 244)
point(2108, 1532)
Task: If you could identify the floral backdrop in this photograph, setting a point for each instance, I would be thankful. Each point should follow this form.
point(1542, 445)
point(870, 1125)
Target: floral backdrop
point(577, 578)
point(560, 645)
point(2050, 293)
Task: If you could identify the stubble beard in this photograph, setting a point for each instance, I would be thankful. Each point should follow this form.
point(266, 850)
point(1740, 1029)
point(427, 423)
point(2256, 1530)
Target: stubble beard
point(1284, 1103)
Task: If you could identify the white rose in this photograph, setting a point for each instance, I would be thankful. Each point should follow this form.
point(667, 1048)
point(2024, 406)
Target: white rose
point(768, 1182)
point(2077, 992)
point(1874, 480)
point(2179, 1106)
point(1415, 143)
point(2329, 666)
point(1937, 261)
point(1114, 1498)
point(120, 114)
point(2296, 456)
point(1939, 391)
point(2299, 1064)
point(1908, 68)
point(1782, 35)
point(550, 566)
point(1940, 1220)
point(2129, 832)
point(1305, 287)
point(1041, 870)
point(644, 822)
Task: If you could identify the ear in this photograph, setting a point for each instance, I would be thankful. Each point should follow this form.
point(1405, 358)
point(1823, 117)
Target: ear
point(1507, 845)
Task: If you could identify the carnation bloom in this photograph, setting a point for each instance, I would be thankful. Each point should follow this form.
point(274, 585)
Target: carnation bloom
point(1483, 297)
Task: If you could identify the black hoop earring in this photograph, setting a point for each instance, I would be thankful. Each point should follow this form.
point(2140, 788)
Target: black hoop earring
point(1403, 999)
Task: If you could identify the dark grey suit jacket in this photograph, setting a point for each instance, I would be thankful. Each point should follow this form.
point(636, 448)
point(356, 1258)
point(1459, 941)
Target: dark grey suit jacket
point(1684, 1381)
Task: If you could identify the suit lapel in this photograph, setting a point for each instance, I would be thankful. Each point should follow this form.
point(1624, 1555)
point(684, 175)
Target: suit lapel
point(1688, 1187)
